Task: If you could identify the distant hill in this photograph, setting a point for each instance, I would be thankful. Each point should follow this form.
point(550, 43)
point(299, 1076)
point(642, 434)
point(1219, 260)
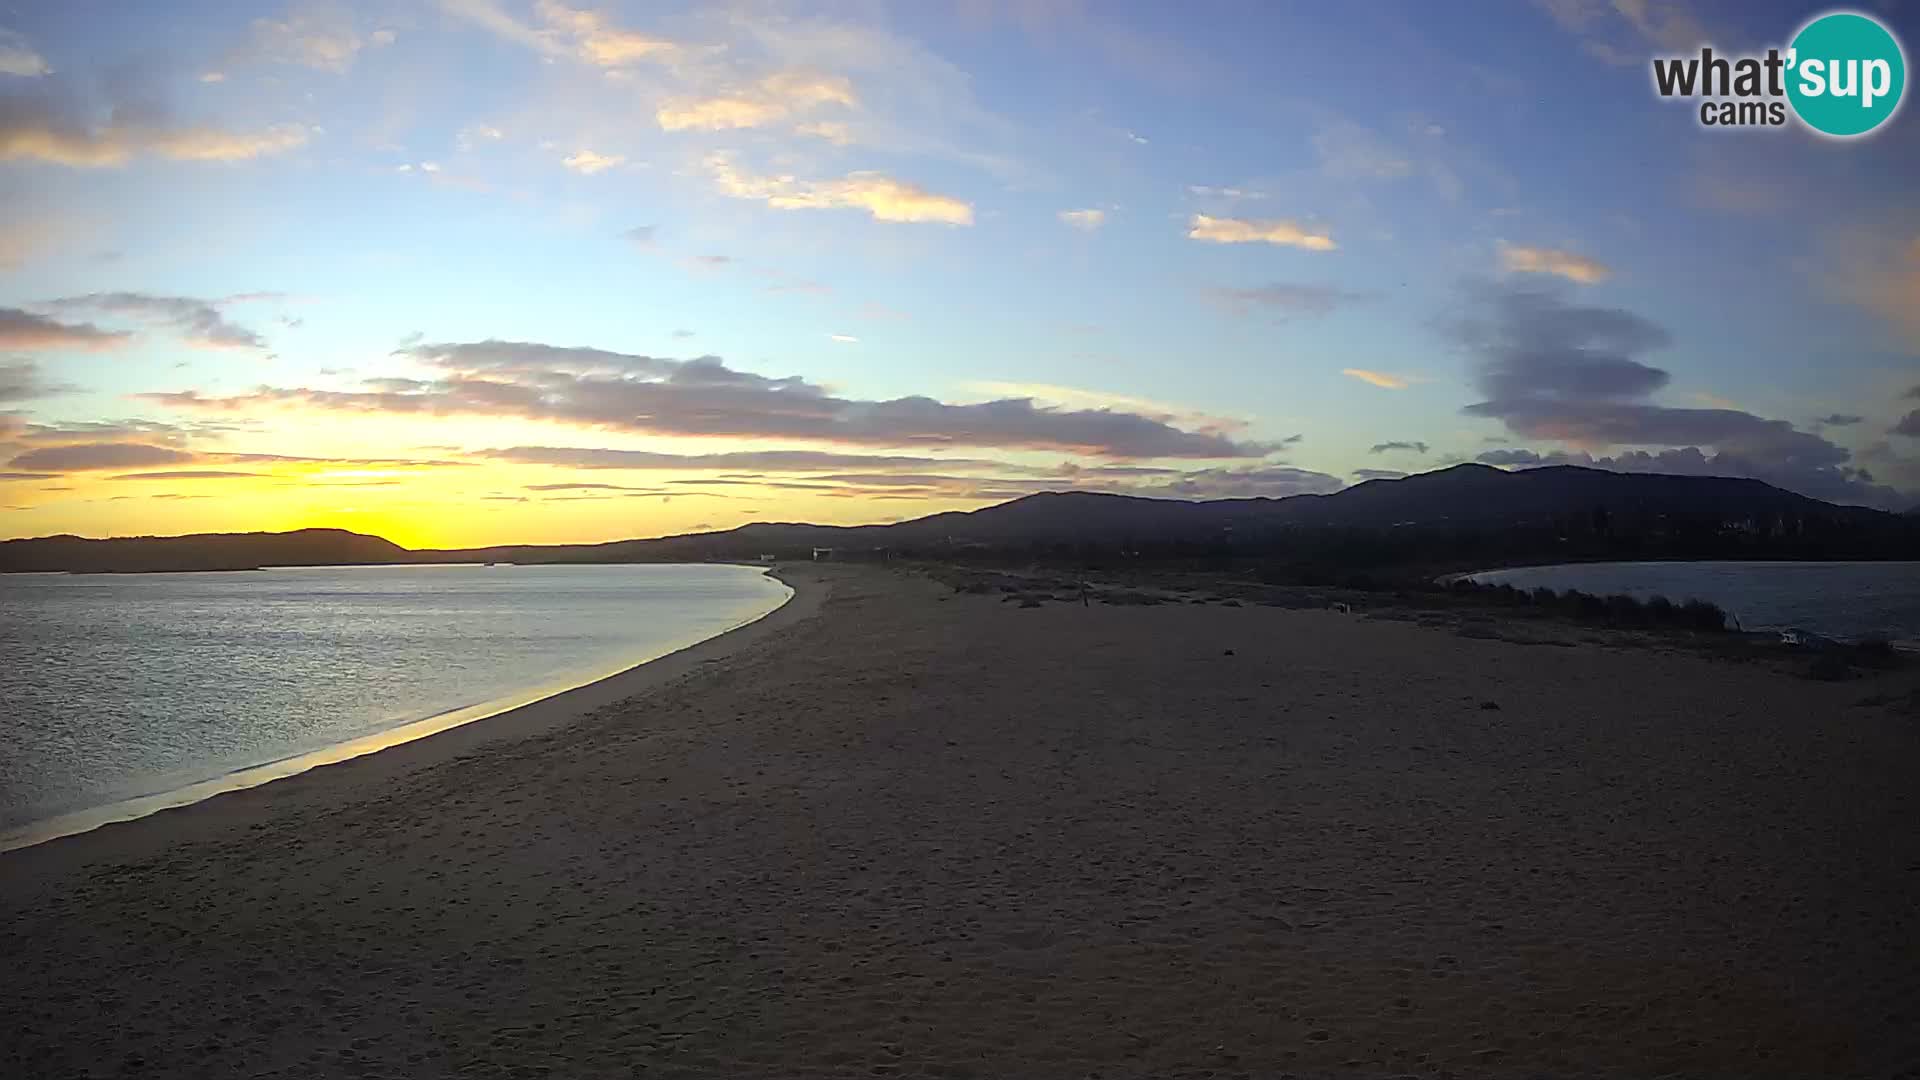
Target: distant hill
point(202, 551)
point(1478, 500)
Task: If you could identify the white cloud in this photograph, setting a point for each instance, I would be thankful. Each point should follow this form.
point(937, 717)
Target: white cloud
point(1073, 397)
point(489, 16)
point(1206, 192)
point(586, 162)
point(1381, 379)
point(579, 34)
point(37, 134)
point(317, 34)
point(771, 99)
point(1282, 232)
point(18, 57)
point(844, 339)
point(598, 41)
point(1084, 220)
point(1566, 264)
point(881, 196)
point(474, 135)
point(834, 131)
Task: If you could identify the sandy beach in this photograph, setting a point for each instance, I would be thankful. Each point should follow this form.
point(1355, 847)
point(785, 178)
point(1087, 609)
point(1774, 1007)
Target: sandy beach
point(897, 831)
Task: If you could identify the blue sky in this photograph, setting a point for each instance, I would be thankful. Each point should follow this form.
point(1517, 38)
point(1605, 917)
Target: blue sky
point(958, 251)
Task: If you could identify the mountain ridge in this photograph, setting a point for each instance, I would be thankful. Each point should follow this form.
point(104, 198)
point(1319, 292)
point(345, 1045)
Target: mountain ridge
point(1464, 497)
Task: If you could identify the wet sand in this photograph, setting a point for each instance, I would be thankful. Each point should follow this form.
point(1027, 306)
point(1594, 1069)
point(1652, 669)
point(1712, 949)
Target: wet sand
point(901, 832)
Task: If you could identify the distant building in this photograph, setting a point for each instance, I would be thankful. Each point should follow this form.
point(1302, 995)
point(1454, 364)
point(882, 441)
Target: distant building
point(822, 554)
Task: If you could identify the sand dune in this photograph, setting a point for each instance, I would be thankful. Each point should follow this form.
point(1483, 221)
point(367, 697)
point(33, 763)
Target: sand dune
point(918, 834)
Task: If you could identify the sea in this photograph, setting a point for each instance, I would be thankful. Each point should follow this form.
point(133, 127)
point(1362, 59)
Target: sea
point(121, 694)
point(1847, 601)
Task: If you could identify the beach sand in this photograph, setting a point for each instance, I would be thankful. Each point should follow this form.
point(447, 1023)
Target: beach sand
point(895, 831)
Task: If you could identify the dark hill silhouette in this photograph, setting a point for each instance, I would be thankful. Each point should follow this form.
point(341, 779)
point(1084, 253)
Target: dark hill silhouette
point(1482, 494)
point(201, 551)
point(1464, 499)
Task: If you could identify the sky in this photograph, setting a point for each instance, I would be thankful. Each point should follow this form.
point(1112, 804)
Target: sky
point(460, 272)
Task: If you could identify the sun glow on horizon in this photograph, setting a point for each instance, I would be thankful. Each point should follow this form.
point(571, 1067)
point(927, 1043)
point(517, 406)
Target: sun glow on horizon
point(664, 268)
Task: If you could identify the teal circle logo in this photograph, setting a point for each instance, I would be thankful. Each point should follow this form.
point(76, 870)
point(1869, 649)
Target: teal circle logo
point(1846, 74)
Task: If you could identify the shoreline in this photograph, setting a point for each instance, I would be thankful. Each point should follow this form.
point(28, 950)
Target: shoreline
point(411, 745)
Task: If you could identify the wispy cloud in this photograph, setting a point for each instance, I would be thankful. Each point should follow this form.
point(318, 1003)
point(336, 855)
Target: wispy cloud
point(185, 474)
point(1084, 220)
point(1285, 298)
point(1074, 397)
point(587, 162)
point(769, 100)
point(1567, 264)
point(704, 397)
point(1383, 380)
point(1624, 32)
point(1232, 193)
point(844, 339)
point(834, 131)
point(1387, 447)
point(30, 130)
point(24, 331)
point(597, 40)
point(317, 34)
point(19, 58)
point(83, 457)
point(1349, 151)
point(771, 461)
point(562, 31)
point(199, 322)
point(1279, 231)
point(21, 380)
point(881, 196)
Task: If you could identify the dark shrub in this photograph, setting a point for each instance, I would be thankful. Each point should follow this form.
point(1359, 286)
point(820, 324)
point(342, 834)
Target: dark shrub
point(1624, 608)
point(1584, 605)
point(1544, 596)
point(1701, 615)
point(1660, 610)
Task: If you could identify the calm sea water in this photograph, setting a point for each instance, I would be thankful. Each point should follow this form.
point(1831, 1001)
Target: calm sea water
point(117, 687)
point(1845, 600)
